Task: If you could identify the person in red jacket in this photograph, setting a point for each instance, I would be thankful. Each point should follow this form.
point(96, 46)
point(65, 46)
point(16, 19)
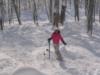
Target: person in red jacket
point(56, 38)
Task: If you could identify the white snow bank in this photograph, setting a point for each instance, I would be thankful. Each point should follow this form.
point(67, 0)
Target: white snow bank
point(27, 71)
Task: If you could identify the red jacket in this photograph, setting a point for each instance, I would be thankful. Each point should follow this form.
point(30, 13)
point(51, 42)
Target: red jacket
point(56, 37)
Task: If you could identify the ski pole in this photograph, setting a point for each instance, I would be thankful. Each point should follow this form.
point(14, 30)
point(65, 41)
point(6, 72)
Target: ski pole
point(49, 49)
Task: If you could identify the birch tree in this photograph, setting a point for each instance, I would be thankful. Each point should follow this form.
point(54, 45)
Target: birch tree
point(90, 16)
point(2, 11)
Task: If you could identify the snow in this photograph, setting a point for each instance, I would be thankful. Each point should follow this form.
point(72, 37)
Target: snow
point(22, 49)
point(27, 71)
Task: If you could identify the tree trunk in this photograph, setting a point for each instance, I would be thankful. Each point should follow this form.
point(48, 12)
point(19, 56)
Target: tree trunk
point(76, 7)
point(2, 14)
point(51, 10)
point(90, 16)
point(16, 11)
point(46, 8)
point(56, 13)
point(35, 15)
point(63, 11)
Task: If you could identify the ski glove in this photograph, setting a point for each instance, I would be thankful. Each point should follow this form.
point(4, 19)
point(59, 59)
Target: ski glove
point(49, 39)
point(64, 43)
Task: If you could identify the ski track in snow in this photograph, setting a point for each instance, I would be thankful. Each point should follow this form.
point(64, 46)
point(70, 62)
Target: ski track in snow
point(24, 46)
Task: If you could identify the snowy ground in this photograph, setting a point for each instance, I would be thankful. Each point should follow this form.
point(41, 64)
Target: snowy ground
point(24, 46)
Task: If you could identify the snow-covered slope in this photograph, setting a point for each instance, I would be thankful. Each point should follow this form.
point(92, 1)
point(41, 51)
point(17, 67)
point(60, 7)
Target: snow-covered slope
point(24, 46)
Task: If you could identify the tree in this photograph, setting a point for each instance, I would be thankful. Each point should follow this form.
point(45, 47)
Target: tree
point(16, 11)
point(35, 15)
point(2, 11)
point(99, 10)
point(90, 16)
point(51, 10)
point(56, 13)
point(86, 7)
point(63, 11)
point(10, 11)
point(76, 7)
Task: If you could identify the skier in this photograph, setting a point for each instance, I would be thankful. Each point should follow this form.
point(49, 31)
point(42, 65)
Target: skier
point(56, 38)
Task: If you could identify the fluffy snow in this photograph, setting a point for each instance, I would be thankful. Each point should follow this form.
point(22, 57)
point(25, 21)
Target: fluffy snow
point(23, 46)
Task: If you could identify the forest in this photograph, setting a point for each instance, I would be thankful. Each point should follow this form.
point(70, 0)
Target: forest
point(55, 10)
